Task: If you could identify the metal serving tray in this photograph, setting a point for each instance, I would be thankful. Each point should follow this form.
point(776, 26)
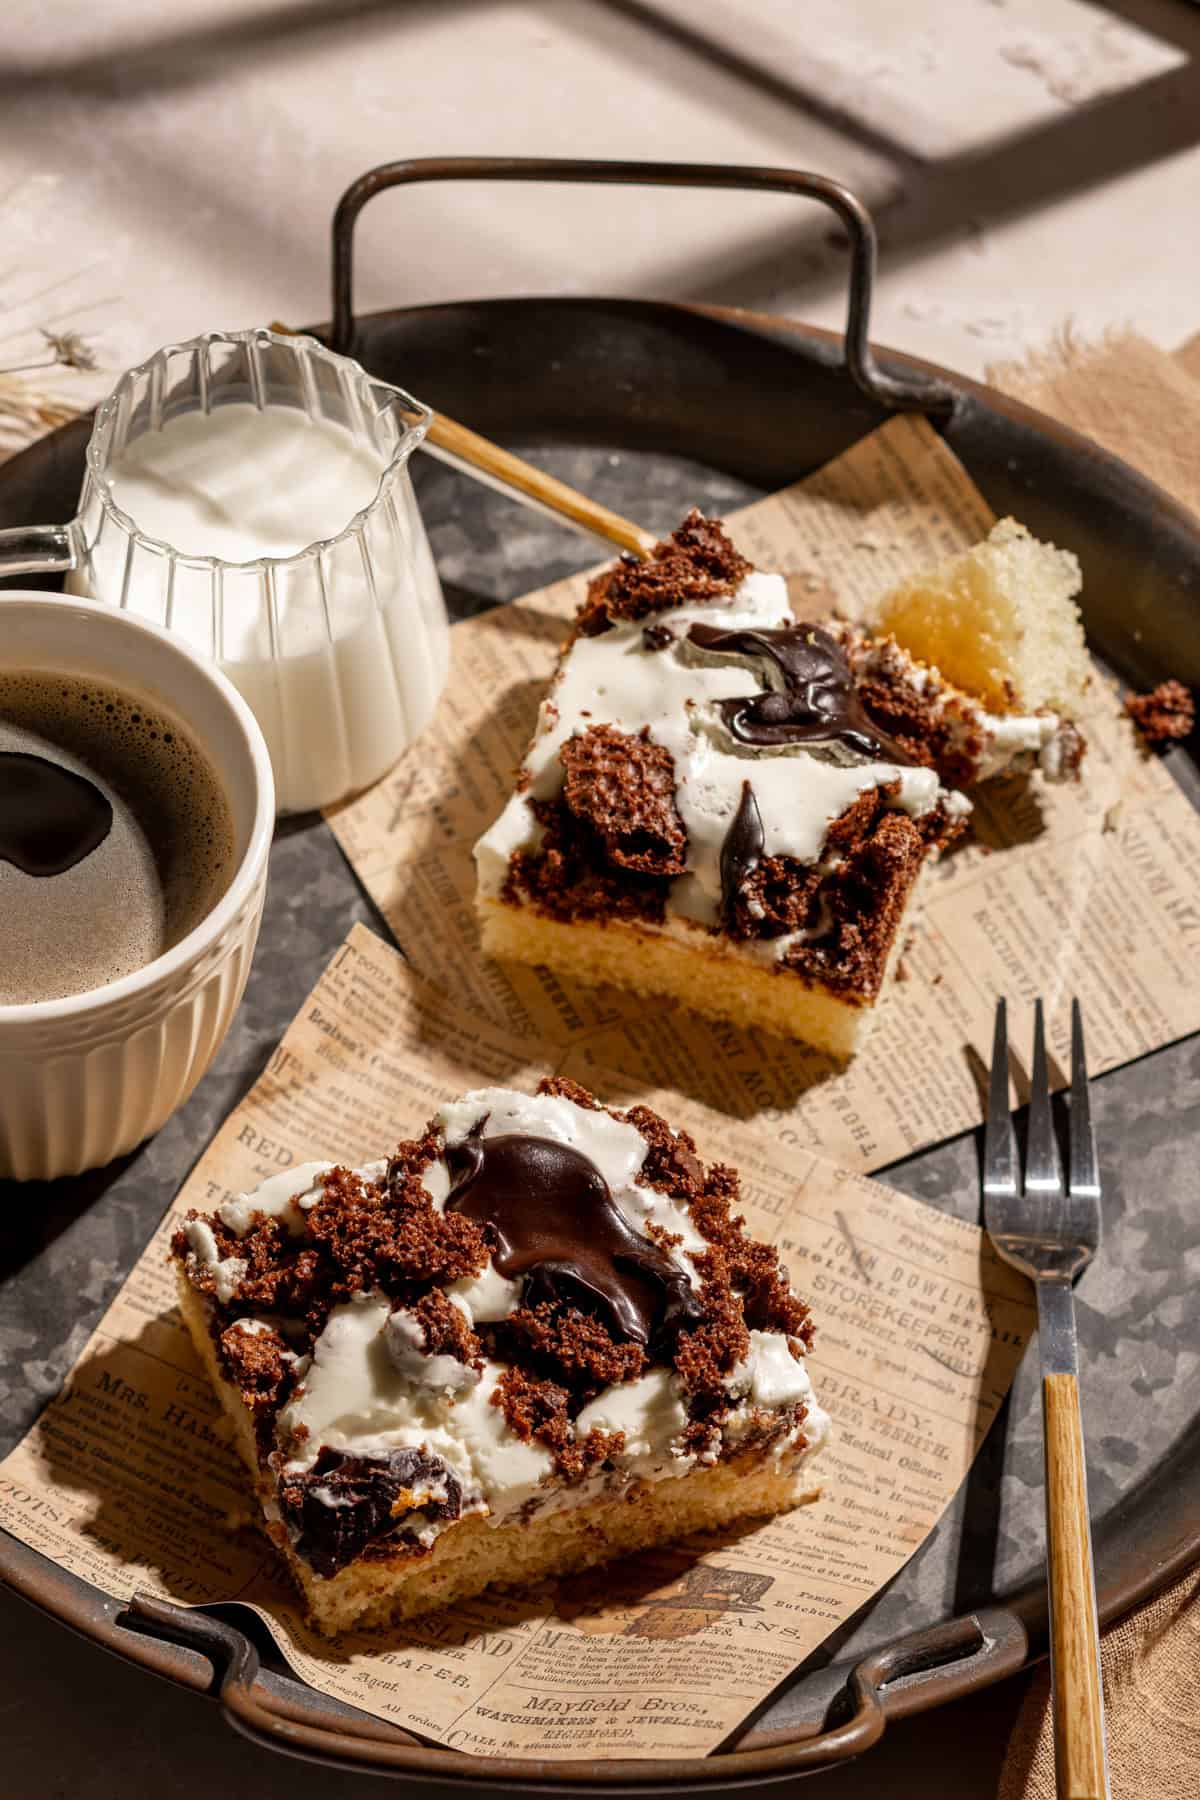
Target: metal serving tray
point(650, 408)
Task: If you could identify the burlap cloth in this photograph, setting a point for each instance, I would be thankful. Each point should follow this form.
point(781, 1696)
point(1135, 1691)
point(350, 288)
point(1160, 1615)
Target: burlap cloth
point(1145, 405)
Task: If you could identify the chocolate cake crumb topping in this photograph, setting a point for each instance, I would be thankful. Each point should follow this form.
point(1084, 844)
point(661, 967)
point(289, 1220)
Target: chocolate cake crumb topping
point(570, 878)
point(281, 1273)
point(708, 1356)
point(570, 1347)
point(671, 1165)
point(447, 1332)
point(752, 1269)
point(866, 899)
point(565, 1089)
point(623, 787)
point(569, 875)
point(260, 1366)
point(704, 543)
point(936, 737)
point(257, 1361)
point(360, 1236)
point(696, 565)
point(345, 1503)
point(392, 1236)
point(780, 896)
point(1164, 715)
point(541, 1410)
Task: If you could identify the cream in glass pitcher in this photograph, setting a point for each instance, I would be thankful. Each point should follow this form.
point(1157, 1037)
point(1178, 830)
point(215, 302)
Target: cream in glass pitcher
point(250, 491)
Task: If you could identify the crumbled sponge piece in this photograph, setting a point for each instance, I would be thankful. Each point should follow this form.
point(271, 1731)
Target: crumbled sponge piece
point(1000, 620)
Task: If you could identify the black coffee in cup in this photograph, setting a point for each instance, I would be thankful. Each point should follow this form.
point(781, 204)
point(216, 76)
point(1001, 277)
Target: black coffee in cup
point(116, 838)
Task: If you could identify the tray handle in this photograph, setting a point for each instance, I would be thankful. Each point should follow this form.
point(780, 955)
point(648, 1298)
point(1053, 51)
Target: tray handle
point(909, 393)
point(848, 1717)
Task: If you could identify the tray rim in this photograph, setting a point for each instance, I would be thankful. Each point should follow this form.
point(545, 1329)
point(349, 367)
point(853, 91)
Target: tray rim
point(910, 1674)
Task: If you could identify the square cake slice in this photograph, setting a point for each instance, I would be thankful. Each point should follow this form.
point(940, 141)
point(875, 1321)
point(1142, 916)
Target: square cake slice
point(732, 806)
point(534, 1339)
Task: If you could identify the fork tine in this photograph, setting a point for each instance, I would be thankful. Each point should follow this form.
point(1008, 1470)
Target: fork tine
point(999, 1142)
point(1043, 1170)
point(1085, 1170)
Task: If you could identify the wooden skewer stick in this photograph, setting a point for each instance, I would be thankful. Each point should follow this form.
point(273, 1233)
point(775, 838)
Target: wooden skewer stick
point(498, 468)
point(458, 445)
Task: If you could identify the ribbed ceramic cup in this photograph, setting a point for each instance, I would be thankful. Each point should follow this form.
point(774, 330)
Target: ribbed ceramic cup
point(86, 1078)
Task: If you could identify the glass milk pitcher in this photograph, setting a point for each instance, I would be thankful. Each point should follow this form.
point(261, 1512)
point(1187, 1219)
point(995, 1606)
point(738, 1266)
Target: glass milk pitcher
point(250, 491)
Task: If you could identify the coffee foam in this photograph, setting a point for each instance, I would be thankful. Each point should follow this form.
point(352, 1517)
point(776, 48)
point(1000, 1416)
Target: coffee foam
point(164, 864)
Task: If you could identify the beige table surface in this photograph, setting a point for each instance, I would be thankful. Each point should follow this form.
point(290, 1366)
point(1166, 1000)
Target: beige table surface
point(168, 169)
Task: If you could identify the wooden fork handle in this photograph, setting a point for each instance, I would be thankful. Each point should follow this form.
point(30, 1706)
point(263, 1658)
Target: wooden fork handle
point(1074, 1639)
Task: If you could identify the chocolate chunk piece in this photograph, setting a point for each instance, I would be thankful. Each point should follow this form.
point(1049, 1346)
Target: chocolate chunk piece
point(694, 566)
point(343, 1503)
point(624, 788)
point(1164, 715)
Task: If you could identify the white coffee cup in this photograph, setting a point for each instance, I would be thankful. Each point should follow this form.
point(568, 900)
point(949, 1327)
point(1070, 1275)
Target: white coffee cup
point(85, 1078)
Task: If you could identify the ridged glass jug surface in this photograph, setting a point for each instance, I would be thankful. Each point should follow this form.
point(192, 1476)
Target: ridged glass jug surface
point(250, 492)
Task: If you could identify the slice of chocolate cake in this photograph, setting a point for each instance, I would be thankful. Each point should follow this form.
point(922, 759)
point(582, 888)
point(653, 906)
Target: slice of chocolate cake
point(534, 1339)
point(732, 806)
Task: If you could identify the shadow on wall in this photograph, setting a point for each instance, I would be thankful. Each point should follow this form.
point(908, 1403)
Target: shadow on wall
point(1082, 148)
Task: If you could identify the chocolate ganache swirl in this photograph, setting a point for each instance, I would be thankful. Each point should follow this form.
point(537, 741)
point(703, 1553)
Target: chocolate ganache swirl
point(741, 852)
point(552, 1219)
point(817, 703)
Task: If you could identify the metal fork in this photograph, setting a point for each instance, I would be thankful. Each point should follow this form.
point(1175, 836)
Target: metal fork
point(1050, 1234)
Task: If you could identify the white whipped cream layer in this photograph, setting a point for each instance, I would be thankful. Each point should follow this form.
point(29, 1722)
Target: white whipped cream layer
point(613, 679)
point(1011, 741)
point(369, 1385)
point(227, 1272)
point(354, 1398)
